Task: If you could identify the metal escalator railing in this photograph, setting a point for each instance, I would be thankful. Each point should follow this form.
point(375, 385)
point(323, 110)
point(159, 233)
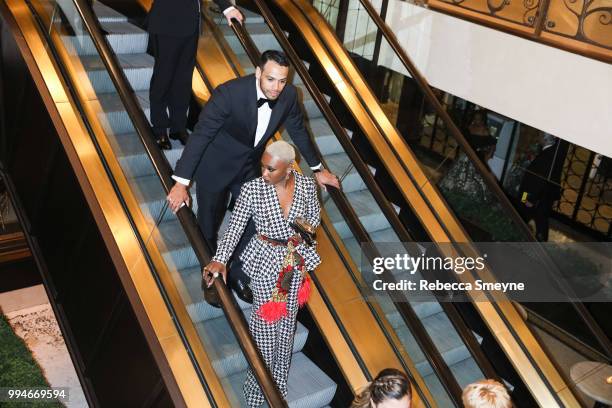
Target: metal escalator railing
point(425, 200)
point(163, 170)
point(483, 170)
point(362, 235)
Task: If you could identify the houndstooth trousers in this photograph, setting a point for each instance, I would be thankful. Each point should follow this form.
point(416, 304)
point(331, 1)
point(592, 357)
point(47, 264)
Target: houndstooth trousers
point(274, 341)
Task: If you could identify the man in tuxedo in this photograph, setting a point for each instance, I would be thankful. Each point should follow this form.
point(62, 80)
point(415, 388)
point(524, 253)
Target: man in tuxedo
point(173, 27)
point(224, 150)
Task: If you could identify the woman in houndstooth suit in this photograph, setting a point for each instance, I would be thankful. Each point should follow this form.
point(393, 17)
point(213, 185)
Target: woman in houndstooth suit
point(275, 258)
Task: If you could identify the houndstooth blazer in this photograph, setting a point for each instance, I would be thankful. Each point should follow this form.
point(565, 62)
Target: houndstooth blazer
point(260, 201)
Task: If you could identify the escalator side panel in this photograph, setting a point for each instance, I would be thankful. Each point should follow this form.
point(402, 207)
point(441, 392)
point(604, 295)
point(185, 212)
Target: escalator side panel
point(79, 274)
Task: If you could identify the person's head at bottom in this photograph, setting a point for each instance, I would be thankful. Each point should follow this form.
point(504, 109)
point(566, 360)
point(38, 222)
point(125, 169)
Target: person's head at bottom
point(276, 162)
point(486, 394)
point(390, 389)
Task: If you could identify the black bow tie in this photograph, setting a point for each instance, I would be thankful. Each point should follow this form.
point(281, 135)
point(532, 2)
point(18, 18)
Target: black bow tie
point(261, 101)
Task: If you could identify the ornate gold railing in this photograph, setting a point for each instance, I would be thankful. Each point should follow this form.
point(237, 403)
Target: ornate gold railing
point(581, 26)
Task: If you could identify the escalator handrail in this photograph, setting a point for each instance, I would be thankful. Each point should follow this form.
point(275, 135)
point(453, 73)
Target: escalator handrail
point(486, 174)
point(404, 307)
point(185, 215)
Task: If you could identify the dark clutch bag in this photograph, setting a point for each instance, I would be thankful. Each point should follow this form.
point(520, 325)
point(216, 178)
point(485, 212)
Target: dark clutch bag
point(210, 295)
point(304, 229)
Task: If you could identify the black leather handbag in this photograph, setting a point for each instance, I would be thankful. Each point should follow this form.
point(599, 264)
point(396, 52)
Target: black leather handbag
point(304, 229)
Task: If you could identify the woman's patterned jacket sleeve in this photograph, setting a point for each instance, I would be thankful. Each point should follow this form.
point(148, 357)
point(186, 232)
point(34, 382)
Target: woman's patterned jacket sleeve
point(313, 209)
point(243, 210)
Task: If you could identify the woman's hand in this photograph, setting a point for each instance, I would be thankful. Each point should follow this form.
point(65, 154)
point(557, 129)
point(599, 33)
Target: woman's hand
point(213, 270)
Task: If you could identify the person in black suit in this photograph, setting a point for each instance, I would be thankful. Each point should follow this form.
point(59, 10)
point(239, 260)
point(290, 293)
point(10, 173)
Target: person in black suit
point(540, 186)
point(224, 149)
point(173, 27)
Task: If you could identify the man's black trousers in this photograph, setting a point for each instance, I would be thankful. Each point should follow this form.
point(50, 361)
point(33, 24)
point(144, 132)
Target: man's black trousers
point(170, 89)
point(211, 209)
point(540, 213)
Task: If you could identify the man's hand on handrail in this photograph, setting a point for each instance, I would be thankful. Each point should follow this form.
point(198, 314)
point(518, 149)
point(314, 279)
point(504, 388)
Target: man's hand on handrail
point(233, 12)
point(325, 177)
point(178, 195)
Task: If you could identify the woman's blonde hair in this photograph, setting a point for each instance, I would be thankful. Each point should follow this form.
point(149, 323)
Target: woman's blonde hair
point(486, 394)
point(282, 151)
point(388, 384)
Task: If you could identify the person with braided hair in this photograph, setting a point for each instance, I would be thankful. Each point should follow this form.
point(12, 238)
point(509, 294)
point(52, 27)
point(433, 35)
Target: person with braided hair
point(390, 389)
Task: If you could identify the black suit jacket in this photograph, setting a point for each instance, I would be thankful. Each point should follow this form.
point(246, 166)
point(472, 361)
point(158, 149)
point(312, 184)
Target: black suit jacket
point(221, 145)
point(177, 18)
point(542, 176)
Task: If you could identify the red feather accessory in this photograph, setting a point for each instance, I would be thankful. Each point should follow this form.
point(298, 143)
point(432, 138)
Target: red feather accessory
point(304, 292)
point(271, 312)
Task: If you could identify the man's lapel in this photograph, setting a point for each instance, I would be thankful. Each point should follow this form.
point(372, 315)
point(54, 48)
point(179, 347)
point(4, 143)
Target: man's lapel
point(275, 118)
point(251, 107)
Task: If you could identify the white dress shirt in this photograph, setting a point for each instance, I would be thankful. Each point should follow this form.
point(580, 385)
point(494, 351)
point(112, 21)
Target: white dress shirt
point(263, 120)
point(263, 116)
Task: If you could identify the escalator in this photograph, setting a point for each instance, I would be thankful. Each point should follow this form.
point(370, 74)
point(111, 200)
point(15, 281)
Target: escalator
point(129, 43)
point(202, 352)
point(425, 339)
point(437, 144)
point(434, 321)
point(486, 216)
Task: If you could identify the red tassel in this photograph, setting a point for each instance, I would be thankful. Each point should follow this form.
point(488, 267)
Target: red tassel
point(304, 292)
point(272, 312)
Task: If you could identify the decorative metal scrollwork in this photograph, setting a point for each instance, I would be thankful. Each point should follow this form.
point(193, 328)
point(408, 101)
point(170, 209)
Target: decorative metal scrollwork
point(531, 9)
point(586, 185)
point(584, 11)
point(493, 9)
point(522, 11)
point(582, 20)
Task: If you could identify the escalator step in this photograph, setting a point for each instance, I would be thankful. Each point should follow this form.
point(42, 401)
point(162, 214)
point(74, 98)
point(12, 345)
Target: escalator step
point(308, 386)
point(138, 69)
point(135, 162)
point(113, 116)
point(226, 355)
point(107, 14)
point(123, 37)
point(259, 32)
